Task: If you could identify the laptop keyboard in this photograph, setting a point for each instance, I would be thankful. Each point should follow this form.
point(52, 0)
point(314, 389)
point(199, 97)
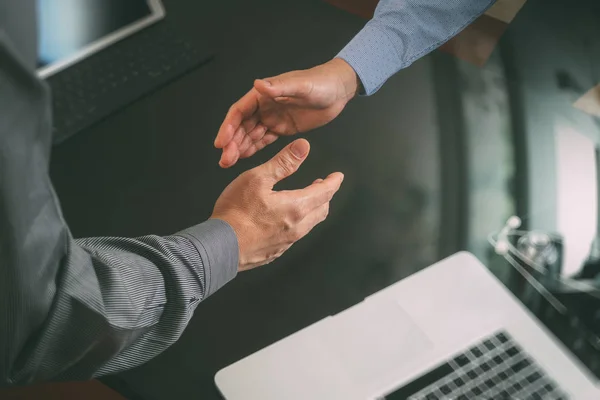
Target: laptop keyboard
point(495, 368)
point(118, 75)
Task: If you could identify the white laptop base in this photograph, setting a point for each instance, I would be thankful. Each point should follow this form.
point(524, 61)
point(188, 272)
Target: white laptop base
point(451, 331)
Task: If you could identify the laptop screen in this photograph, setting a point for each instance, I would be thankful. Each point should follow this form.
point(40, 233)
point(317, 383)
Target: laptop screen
point(70, 30)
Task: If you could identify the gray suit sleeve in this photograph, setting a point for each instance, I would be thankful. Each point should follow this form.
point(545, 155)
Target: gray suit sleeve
point(77, 308)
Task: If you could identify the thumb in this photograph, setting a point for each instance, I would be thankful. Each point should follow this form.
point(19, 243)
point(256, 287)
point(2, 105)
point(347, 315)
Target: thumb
point(284, 86)
point(286, 162)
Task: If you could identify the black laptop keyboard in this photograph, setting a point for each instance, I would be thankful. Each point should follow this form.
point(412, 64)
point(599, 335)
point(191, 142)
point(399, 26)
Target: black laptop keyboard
point(118, 75)
point(496, 368)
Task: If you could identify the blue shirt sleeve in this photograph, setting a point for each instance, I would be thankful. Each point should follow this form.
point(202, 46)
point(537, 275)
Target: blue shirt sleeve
point(403, 31)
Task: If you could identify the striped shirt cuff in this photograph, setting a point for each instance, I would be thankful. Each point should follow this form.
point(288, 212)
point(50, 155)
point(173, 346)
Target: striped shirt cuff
point(217, 244)
point(373, 56)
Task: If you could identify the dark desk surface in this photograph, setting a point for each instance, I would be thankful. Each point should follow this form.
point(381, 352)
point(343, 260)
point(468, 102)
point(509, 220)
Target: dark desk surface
point(438, 159)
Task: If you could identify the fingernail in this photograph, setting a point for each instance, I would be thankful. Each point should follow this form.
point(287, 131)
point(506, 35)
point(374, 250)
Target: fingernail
point(300, 148)
point(266, 82)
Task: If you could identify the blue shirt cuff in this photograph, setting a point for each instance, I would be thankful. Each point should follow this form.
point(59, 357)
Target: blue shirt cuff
point(404, 31)
point(217, 245)
point(373, 57)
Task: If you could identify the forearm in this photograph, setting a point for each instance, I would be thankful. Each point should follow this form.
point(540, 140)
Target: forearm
point(113, 304)
point(403, 31)
point(119, 302)
point(73, 309)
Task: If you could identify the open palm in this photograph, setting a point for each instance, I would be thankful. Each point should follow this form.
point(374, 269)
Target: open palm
point(285, 105)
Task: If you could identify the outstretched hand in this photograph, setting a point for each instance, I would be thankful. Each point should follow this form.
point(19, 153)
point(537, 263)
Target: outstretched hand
point(268, 222)
point(285, 105)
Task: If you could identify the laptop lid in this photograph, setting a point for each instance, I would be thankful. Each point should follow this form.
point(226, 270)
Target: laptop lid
point(394, 337)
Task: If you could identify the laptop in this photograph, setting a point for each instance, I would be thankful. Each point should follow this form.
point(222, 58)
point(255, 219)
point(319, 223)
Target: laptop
point(451, 331)
point(100, 55)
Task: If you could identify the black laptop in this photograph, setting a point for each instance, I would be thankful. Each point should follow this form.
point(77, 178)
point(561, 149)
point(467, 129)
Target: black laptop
point(100, 55)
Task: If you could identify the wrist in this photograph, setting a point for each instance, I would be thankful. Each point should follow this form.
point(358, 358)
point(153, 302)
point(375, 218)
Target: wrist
point(349, 79)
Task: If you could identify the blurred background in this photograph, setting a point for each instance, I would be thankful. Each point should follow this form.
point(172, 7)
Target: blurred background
point(491, 126)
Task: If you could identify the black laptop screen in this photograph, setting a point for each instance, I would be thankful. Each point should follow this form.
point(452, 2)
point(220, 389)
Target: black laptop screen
point(66, 27)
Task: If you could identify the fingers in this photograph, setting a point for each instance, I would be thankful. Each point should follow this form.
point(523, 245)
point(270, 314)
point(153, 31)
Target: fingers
point(286, 85)
point(286, 162)
point(313, 219)
point(258, 132)
point(319, 193)
point(252, 137)
point(246, 143)
point(292, 101)
point(308, 207)
point(230, 155)
point(232, 152)
point(249, 125)
point(239, 143)
point(244, 108)
point(239, 136)
point(261, 144)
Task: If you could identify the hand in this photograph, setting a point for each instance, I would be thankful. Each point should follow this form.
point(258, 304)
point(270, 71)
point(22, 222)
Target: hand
point(267, 222)
point(285, 105)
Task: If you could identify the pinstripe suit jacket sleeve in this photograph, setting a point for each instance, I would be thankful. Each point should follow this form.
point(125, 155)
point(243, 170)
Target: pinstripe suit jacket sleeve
point(74, 309)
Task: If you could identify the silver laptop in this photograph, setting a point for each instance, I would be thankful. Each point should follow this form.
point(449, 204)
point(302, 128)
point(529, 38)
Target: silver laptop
point(451, 331)
point(71, 30)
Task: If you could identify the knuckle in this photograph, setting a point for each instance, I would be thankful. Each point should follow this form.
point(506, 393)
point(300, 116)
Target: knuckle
point(287, 225)
point(296, 214)
point(307, 87)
